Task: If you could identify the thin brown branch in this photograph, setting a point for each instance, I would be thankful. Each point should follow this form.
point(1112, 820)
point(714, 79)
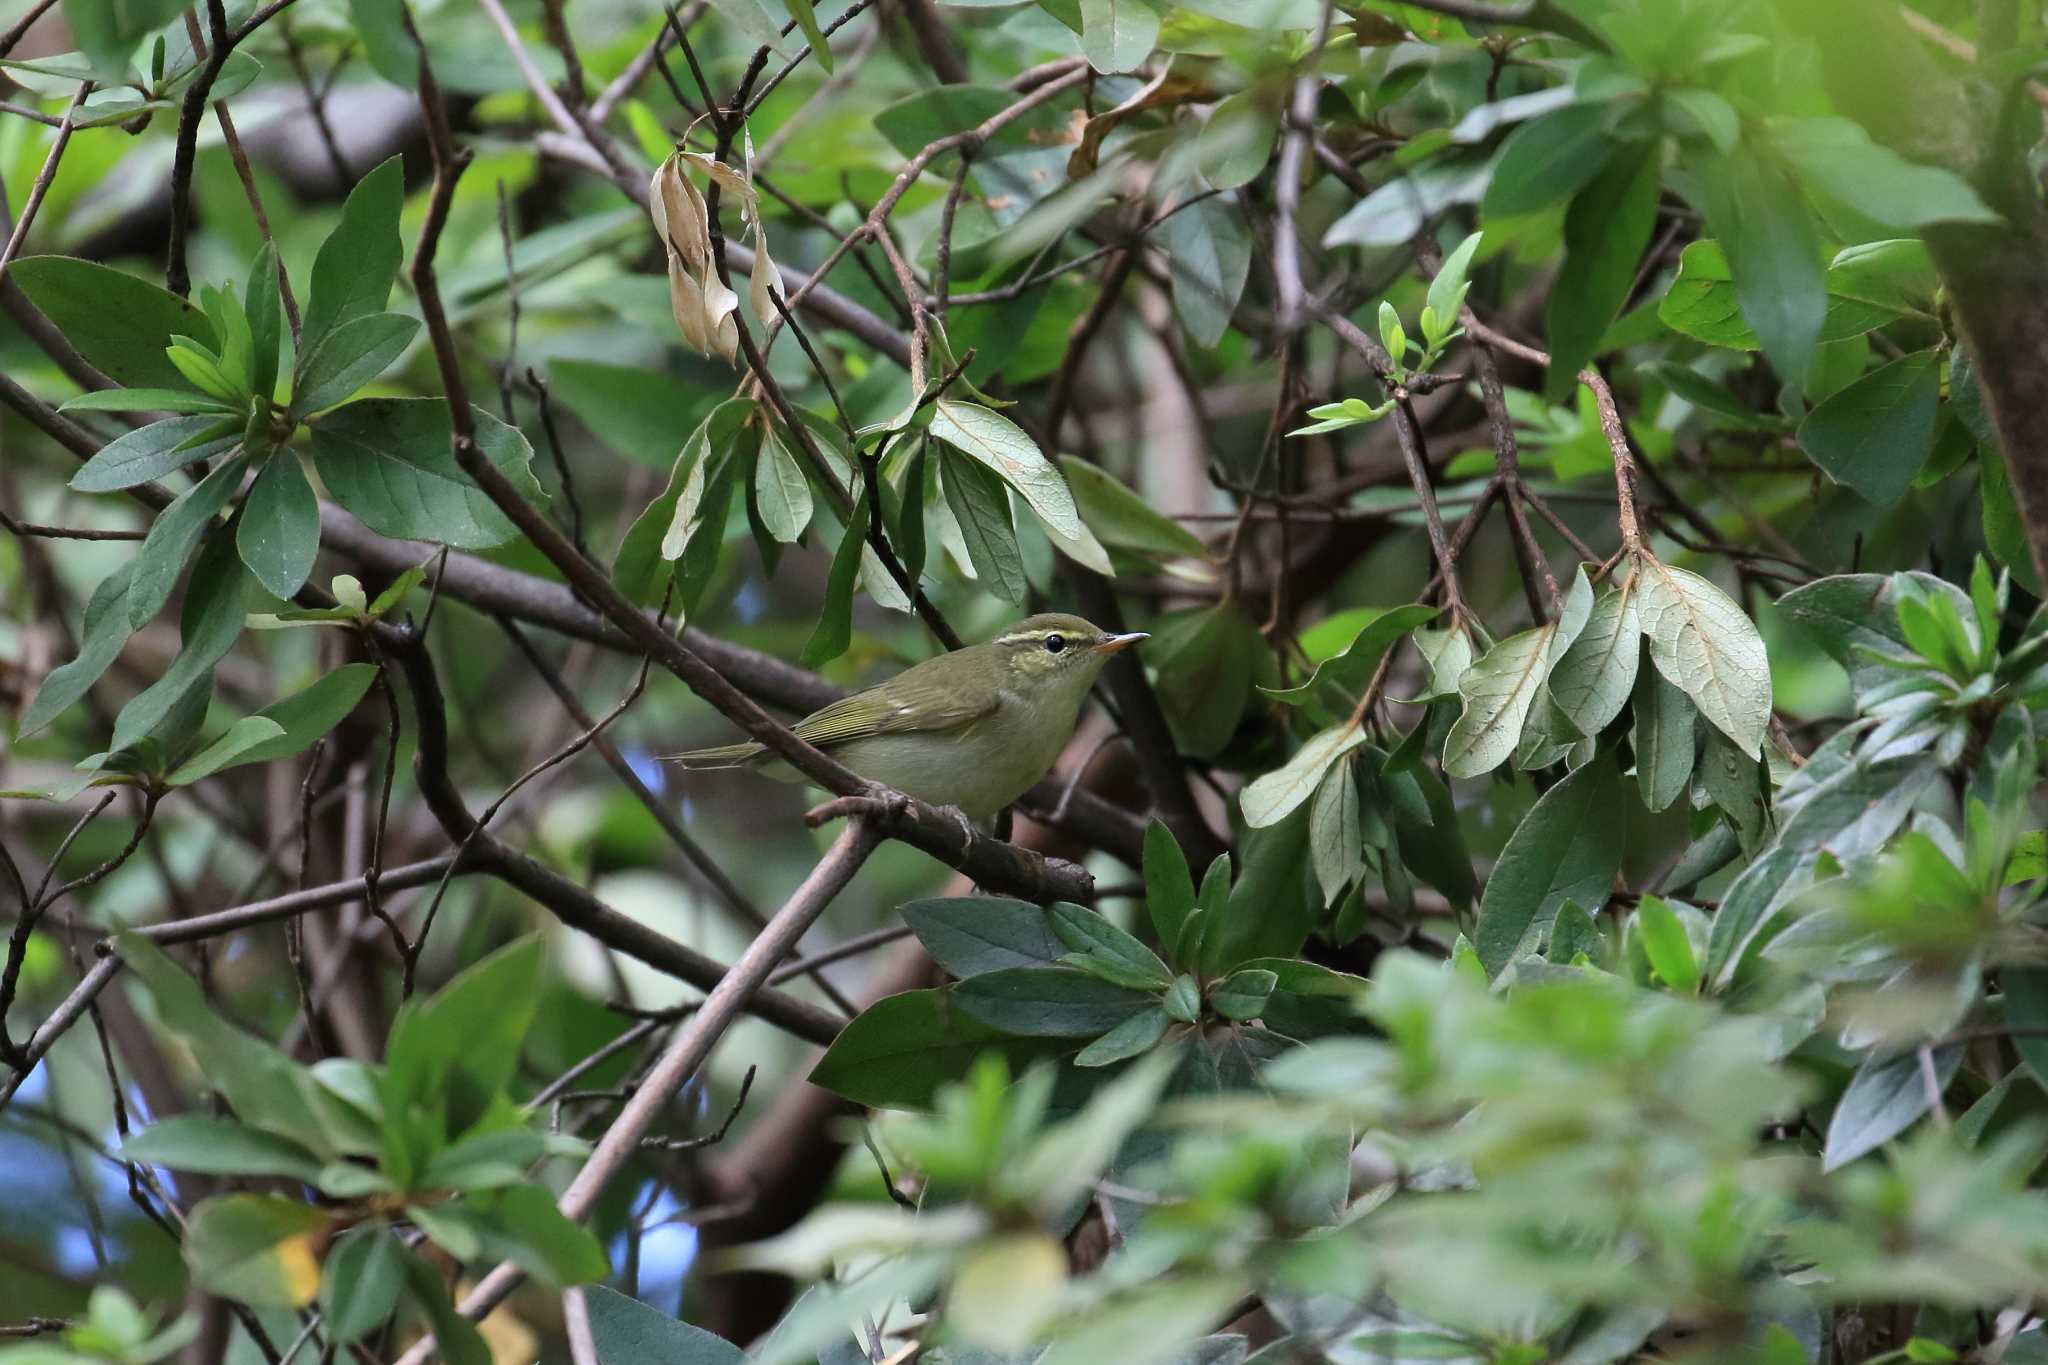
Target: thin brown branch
point(41, 187)
point(215, 49)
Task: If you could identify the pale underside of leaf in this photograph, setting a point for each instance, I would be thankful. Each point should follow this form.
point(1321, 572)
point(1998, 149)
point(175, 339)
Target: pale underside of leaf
point(1705, 645)
point(1498, 692)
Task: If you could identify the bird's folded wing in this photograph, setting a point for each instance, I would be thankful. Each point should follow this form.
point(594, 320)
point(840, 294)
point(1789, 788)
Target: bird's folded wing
point(902, 704)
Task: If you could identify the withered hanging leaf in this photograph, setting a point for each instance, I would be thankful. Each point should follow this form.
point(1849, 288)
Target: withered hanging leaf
point(1168, 88)
point(704, 305)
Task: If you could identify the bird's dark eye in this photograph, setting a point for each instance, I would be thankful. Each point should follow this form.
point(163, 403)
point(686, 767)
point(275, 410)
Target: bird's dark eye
point(1055, 643)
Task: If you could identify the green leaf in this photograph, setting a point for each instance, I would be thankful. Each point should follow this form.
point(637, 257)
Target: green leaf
point(1184, 1000)
point(780, 490)
point(1204, 662)
point(312, 712)
point(1237, 141)
point(639, 568)
point(208, 1145)
point(1047, 1002)
point(1606, 231)
point(1547, 159)
point(685, 520)
point(1837, 157)
point(238, 342)
point(636, 412)
point(916, 121)
point(203, 371)
point(2025, 991)
point(264, 309)
point(1875, 434)
point(359, 1289)
point(970, 935)
point(1702, 642)
point(1846, 613)
point(266, 1088)
point(1122, 519)
point(1898, 274)
point(217, 598)
point(1003, 446)
point(1088, 933)
point(807, 20)
point(1147, 1324)
point(1426, 822)
point(144, 400)
point(1886, 1096)
point(1338, 681)
point(1573, 932)
point(484, 1161)
point(1734, 782)
point(1669, 950)
point(1169, 887)
point(904, 1047)
point(1137, 1034)
point(1273, 797)
point(118, 322)
point(226, 752)
point(390, 462)
point(628, 1332)
point(1498, 690)
point(150, 452)
point(107, 33)
point(1568, 847)
point(279, 532)
point(753, 23)
point(1336, 847)
point(1662, 739)
point(1847, 807)
point(1708, 396)
point(1703, 112)
point(1592, 680)
point(256, 1248)
point(459, 1048)
point(1773, 251)
point(2005, 533)
point(521, 1224)
point(1209, 258)
point(1069, 1156)
point(1702, 302)
point(1392, 214)
point(1392, 335)
point(447, 1228)
point(1271, 904)
point(1446, 297)
point(349, 356)
point(1243, 994)
point(455, 1336)
point(980, 503)
point(1118, 35)
point(353, 272)
point(101, 635)
point(834, 631)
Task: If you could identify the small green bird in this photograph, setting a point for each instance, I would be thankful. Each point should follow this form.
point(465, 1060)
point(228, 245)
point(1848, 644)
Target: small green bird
point(973, 729)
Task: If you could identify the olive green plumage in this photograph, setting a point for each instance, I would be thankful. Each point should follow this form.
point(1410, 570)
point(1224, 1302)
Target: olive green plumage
point(974, 728)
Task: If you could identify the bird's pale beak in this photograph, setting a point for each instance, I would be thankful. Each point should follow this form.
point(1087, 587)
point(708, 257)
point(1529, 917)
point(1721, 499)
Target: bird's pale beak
point(1113, 643)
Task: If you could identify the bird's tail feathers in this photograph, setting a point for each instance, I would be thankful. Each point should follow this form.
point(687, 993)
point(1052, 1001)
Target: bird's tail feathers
point(723, 756)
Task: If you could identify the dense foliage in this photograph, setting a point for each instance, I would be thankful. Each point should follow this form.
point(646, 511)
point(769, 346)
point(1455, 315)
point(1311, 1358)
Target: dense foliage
point(1563, 880)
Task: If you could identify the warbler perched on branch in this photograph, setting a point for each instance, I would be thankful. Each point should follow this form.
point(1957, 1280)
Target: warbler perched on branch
point(973, 729)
